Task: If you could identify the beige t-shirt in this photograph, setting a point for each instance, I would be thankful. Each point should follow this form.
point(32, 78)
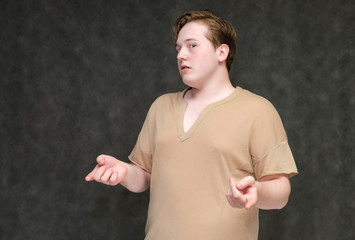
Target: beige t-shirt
point(237, 136)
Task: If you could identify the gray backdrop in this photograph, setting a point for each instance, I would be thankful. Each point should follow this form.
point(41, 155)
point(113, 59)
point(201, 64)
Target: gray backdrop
point(77, 78)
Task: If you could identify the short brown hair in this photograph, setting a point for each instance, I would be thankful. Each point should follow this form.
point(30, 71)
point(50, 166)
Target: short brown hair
point(220, 30)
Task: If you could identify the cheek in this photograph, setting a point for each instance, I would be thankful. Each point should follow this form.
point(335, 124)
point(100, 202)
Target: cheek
point(208, 61)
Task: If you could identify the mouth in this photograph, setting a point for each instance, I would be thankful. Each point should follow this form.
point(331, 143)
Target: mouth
point(184, 67)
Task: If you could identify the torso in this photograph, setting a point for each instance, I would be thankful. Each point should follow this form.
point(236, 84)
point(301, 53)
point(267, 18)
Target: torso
point(192, 168)
point(196, 106)
point(192, 112)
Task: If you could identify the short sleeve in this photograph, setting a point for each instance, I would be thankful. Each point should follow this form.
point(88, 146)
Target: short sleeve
point(268, 143)
point(141, 154)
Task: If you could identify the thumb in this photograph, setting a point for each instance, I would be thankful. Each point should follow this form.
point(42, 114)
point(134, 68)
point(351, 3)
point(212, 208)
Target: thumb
point(100, 160)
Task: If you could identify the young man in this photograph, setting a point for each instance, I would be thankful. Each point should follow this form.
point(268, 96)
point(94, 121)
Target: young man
point(212, 154)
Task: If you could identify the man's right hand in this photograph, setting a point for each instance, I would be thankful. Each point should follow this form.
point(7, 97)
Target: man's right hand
point(108, 170)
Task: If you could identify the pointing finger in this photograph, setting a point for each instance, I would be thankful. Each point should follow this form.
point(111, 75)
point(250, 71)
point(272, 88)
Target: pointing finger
point(90, 176)
point(233, 190)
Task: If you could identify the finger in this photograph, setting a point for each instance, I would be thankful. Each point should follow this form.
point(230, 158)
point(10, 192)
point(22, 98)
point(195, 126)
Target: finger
point(106, 175)
point(230, 200)
point(90, 176)
point(229, 195)
point(233, 190)
point(248, 205)
point(245, 182)
point(99, 173)
point(252, 197)
point(101, 160)
point(114, 177)
point(234, 202)
point(236, 198)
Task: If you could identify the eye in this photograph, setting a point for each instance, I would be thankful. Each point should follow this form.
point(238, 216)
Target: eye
point(192, 45)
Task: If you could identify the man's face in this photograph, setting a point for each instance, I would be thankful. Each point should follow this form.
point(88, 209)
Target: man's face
point(197, 58)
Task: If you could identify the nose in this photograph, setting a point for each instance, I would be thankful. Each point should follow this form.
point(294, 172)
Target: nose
point(181, 54)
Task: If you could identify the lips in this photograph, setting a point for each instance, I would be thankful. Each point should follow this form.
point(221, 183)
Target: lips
point(184, 67)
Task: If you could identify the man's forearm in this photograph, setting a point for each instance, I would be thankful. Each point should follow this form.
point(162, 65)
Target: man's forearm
point(137, 180)
point(273, 192)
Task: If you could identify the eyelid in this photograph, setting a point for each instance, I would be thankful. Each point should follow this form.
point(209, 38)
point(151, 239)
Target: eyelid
point(189, 45)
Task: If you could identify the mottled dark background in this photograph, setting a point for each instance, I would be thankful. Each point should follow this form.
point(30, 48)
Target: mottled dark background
point(77, 78)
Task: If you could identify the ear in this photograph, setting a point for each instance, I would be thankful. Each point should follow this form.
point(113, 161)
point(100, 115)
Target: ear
point(222, 52)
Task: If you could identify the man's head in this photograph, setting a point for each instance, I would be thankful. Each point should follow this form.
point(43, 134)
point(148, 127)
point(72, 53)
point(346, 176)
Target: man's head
point(220, 30)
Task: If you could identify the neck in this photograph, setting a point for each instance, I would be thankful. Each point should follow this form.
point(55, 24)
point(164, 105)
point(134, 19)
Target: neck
point(211, 90)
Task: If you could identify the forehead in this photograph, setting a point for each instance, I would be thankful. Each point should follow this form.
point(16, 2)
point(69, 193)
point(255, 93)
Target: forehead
point(192, 30)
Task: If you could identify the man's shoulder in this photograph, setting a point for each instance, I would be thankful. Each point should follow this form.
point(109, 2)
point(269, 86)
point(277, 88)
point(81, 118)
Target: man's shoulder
point(167, 100)
point(167, 97)
point(254, 99)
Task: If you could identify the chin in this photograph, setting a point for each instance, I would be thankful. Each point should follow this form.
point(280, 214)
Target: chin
point(193, 82)
point(189, 83)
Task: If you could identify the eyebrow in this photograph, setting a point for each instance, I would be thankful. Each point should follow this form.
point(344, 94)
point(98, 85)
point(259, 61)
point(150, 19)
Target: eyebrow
point(186, 40)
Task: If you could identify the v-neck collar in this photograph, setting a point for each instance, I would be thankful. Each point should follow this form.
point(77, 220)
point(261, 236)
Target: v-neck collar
point(182, 108)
